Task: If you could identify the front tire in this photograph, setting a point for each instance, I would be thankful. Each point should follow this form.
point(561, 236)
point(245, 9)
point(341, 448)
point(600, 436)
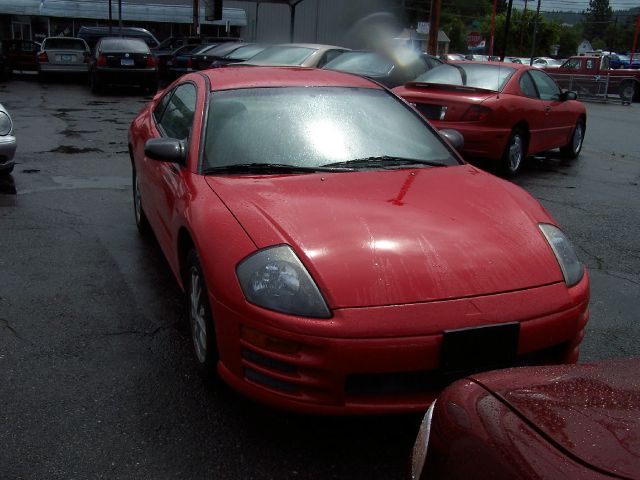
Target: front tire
point(203, 337)
point(573, 148)
point(627, 91)
point(142, 223)
point(514, 153)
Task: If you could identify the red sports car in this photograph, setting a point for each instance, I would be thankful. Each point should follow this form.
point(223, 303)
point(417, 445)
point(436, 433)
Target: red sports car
point(337, 254)
point(504, 111)
point(569, 421)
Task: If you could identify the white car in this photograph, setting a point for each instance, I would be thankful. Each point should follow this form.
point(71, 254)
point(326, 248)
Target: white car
point(546, 62)
point(7, 142)
point(63, 55)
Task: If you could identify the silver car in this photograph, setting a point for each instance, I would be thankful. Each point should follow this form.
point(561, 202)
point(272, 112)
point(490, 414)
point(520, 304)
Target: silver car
point(296, 54)
point(63, 55)
point(7, 142)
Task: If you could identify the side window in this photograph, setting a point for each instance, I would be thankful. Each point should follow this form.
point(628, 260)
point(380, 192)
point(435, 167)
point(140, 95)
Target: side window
point(573, 64)
point(161, 106)
point(328, 56)
point(547, 88)
point(591, 64)
point(177, 118)
point(527, 86)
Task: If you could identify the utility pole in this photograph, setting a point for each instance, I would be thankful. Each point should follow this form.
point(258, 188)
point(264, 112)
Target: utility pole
point(110, 17)
point(493, 27)
point(196, 17)
point(535, 33)
point(506, 31)
point(434, 26)
point(120, 16)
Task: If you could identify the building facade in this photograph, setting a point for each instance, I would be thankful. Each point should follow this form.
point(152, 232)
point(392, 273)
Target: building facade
point(337, 22)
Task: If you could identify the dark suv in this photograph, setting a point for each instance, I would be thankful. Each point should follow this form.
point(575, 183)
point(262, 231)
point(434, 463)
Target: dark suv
point(91, 35)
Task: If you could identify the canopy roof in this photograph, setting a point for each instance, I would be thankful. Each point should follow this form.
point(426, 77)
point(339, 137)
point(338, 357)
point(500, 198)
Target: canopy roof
point(99, 10)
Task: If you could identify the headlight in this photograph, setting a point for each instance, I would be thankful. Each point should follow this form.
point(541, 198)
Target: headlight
point(5, 123)
point(572, 268)
point(275, 278)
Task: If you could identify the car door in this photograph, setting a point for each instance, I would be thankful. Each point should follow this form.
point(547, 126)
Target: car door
point(559, 116)
point(534, 112)
point(166, 181)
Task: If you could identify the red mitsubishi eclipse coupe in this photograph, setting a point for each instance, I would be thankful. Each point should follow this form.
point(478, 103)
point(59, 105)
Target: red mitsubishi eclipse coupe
point(337, 255)
point(504, 111)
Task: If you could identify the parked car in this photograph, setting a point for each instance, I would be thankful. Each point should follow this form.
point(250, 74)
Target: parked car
point(389, 69)
point(452, 57)
point(300, 54)
point(7, 142)
point(170, 46)
point(165, 62)
point(546, 62)
point(123, 61)
point(624, 61)
point(92, 35)
point(21, 55)
point(202, 58)
point(358, 264)
point(242, 54)
point(63, 55)
point(182, 61)
point(505, 112)
point(570, 421)
point(481, 58)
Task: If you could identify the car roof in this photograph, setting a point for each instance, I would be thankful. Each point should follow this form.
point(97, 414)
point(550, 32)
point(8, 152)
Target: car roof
point(318, 46)
point(230, 78)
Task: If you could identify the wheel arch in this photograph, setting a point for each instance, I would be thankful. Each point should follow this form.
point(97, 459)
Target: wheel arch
point(523, 125)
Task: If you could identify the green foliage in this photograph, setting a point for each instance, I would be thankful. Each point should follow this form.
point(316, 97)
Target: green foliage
point(569, 39)
point(596, 19)
point(521, 34)
point(457, 31)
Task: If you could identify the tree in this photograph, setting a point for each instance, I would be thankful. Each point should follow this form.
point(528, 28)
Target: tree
point(597, 19)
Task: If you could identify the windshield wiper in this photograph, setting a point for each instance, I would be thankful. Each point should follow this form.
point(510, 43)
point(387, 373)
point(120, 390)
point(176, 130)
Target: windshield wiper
point(383, 161)
point(266, 168)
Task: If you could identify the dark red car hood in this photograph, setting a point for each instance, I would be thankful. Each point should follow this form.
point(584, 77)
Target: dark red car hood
point(592, 412)
point(398, 236)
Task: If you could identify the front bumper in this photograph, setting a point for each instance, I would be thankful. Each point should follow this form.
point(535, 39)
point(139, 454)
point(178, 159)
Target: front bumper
point(385, 359)
point(7, 151)
point(479, 141)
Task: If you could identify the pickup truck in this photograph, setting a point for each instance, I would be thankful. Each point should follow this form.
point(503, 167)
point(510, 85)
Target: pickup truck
point(592, 76)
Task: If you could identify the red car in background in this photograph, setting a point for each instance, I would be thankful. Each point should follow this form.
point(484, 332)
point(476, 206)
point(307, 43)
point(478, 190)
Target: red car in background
point(504, 111)
point(571, 421)
point(336, 253)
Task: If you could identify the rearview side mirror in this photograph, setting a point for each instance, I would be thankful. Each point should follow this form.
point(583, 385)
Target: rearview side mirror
point(454, 137)
point(166, 150)
point(568, 95)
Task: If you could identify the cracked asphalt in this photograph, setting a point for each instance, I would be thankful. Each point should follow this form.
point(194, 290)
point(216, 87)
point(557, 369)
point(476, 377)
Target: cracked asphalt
point(95, 364)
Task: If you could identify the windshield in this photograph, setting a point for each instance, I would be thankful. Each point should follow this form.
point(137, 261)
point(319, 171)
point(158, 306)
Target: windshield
point(245, 53)
point(222, 49)
point(284, 55)
point(204, 48)
point(64, 44)
point(121, 45)
point(314, 127)
point(364, 63)
point(486, 76)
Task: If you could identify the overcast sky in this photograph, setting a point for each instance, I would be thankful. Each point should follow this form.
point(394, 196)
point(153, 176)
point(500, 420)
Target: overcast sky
point(575, 5)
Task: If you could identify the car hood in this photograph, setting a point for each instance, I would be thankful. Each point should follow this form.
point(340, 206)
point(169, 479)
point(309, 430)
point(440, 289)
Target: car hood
point(591, 412)
point(398, 236)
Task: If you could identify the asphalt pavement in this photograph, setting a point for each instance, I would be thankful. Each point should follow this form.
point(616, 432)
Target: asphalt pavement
point(97, 379)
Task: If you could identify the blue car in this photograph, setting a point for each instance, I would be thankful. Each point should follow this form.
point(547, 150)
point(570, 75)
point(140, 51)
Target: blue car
point(624, 61)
